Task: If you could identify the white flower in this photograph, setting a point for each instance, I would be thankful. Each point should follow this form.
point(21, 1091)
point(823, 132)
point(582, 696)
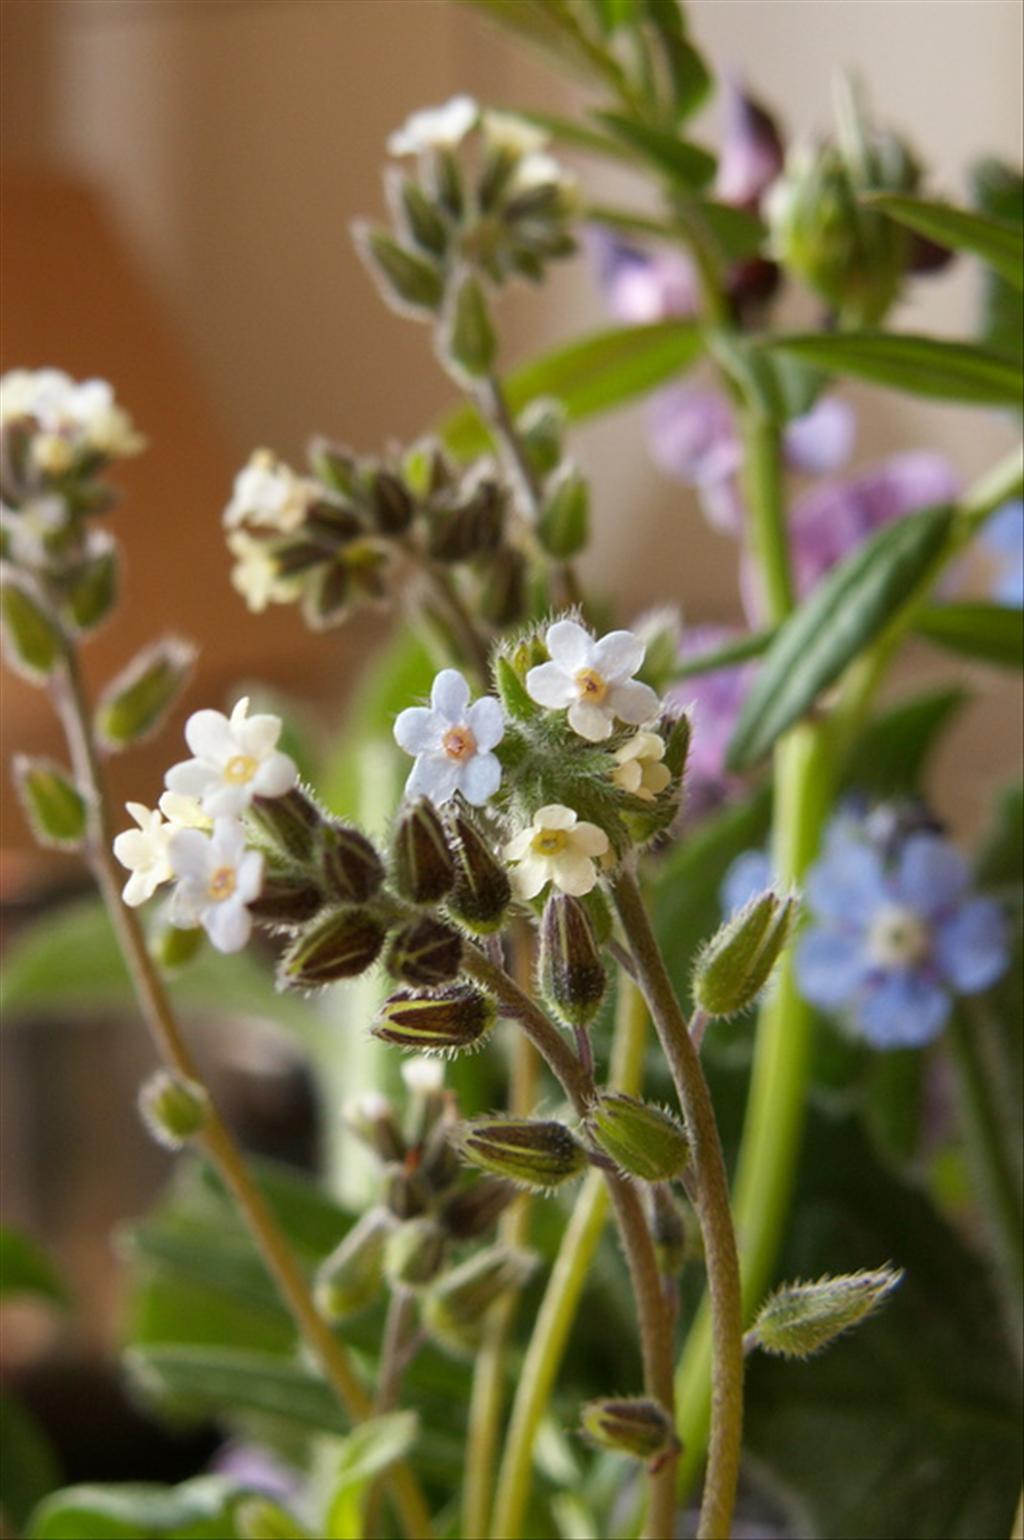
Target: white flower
point(269, 495)
point(144, 851)
point(256, 575)
point(539, 169)
point(594, 679)
point(638, 767)
point(435, 128)
point(28, 526)
point(452, 742)
point(508, 131)
point(421, 1074)
point(81, 415)
point(556, 848)
point(184, 812)
point(236, 759)
point(217, 878)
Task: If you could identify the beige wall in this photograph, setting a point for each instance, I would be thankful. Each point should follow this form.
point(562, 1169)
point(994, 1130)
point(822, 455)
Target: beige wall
point(236, 138)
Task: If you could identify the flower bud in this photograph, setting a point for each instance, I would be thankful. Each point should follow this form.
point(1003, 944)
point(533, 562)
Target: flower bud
point(669, 1230)
point(340, 945)
point(439, 1163)
point(406, 1192)
point(391, 503)
point(89, 588)
point(528, 1151)
point(424, 224)
point(541, 427)
point(429, 1103)
point(476, 1207)
point(288, 824)
point(456, 1307)
point(482, 891)
point(572, 975)
point(287, 898)
point(374, 1119)
point(512, 689)
point(352, 869)
point(468, 343)
point(802, 1318)
point(422, 862)
point(643, 1140)
point(452, 1020)
point(327, 596)
point(173, 946)
point(349, 1279)
point(56, 811)
point(173, 1108)
point(415, 1253)
point(471, 528)
point(136, 703)
point(734, 966)
point(32, 641)
point(630, 1425)
point(408, 282)
point(502, 600)
point(336, 467)
point(425, 953)
point(564, 520)
point(675, 733)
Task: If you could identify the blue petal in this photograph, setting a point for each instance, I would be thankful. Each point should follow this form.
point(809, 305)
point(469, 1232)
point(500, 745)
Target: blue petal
point(829, 968)
point(847, 885)
point(903, 1010)
point(972, 948)
point(748, 876)
point(932, 874)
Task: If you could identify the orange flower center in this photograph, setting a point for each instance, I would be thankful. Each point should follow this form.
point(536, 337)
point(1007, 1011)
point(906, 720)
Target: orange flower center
point(240, 768)
point(459, 743)
point(591, 686)
point(221, 884)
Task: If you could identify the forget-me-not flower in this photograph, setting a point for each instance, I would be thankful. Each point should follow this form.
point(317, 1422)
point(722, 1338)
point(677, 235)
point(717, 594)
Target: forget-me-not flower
point(453, 742)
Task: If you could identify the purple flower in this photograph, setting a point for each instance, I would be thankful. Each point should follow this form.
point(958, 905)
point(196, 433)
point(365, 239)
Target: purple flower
point(892, 941)
point(751, 154)
point(641, 285)
point(258, 1469)
point(715, 699)
point(1002, 540)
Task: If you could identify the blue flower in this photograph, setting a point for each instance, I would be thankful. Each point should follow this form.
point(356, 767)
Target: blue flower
point(1003, 540)
point(750, 874)
point(893, 941)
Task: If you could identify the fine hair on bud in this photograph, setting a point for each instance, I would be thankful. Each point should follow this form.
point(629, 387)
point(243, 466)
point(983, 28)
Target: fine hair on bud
point(482, 891)
point(287, 825)
point(339, 945)
point(736, 964)
point(422, 863)
point(532, 1152)
point(473, 1209)
point(415, 1253)
point(456, 1307)
point(633, 1425)
point(572, 975)
point(453, 1020)
point(174, 1108)
point(800, 1319)
point(426, 952)
point(351, 868)
point(644, 1141)
point(350, 1278)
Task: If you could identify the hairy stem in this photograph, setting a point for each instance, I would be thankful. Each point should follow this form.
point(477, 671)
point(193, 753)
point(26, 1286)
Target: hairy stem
point(215, 1140)
point(565, 1286)
point(712, 1194)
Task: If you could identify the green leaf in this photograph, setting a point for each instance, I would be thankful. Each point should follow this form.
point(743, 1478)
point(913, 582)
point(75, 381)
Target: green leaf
point(588, 377)
point(200, 1380)
point(26, 1269)
point(851, 605)
point(997, 243)
point(580, 136)
point(776, 388)
point(682, 162)
point(53, 805)
point(992, 632)
point(28, 1465)
point(737, 232)
point(890, 755)
point(921, 366)
point(365, 1454)
point(727, 656)
point(196, 1510)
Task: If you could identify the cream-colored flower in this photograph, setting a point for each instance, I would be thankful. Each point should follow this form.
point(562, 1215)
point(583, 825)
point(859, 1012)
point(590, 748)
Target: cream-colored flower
point(144, 852)
point(184, 812)
point(256, 575)
point(508, 131)
point(556, 848)
point(72, 416)
point(638, 767)
point(267, 494)
point(435, 128)
point(594, 680)
point(235, 759)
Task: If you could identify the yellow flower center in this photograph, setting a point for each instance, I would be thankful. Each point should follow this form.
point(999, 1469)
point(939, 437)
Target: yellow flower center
point(549, 842)
point(591, 686)
point(221, 884)
point(459, 743)
point(240, 768)
point(898, 938)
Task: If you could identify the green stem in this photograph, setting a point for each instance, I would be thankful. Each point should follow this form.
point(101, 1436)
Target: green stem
point(766, 497)
point(712, 1196)
point(215, 1140)
point(569, 1275)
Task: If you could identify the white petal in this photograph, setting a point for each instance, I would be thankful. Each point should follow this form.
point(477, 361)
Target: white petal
point(618, 655)
point(140, 812)
point(276, 775)
point(258, 735)
point(588, 840)
point(553, 815)
point(550, 686)
point(450, 695)
point(183, 810)
point(228, 925)
point(591, 722)
point(191, 778)
point(228, 841)
point(133, 848)
point(480, 778)
point(518, 845)
point(569, 645)
point(227, 801)
point(529, 876)
point(189, 853)
point(186, 903)
point(633, 702)
point(433, 776)
point(137, 889)
point(486, 722)
point(249, 876)
point(209, 736)
point(574, 873)
point(417, 729)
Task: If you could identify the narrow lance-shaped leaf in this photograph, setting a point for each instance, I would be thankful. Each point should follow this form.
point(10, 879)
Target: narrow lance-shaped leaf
point(993, 633)
point(921, 366)
point(136, 702)
point(683, 162)
point(366, 1453)
point(851, 605)
point(997, 243)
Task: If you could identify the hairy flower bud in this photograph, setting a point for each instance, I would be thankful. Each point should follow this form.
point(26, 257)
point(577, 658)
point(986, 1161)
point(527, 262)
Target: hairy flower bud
point(54, 807)
point(643, 1140)
point(454, 1019)
point(341, 945)
point(174, 1108)
point(531, 1152)
point(455, 1309)
point(352, 869)
point(349, 1279)
point(422, 862)
point(735, 965)
point(287, 898)
point(406, 1192)
point(572, 975)
point(288, 824)
point(32, 643)
point(470, 528)
point(89, 587)
point(172, 946)
point(374, 1119)
point(669, 1230)
point(415, 1253)
point(630, 1425)
point(476, 1207)
point(564, 520)
point(802, 1318)
point(468, 341)
point(503, 597)
point(676, 732)
point(391, 503)
point(425, 225)
point(482, 891)
point(408, 282)
point(425, 953)
point(541, 427)
point(335, 466)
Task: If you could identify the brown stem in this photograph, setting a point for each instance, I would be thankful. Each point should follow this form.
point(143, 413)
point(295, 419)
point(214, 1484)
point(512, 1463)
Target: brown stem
point(712, 1192)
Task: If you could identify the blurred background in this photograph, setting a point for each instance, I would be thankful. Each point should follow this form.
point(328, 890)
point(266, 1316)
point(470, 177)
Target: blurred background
point(178, 180)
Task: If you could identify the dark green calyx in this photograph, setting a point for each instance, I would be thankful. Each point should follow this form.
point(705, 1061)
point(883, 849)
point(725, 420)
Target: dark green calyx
point(630, 1425)
point(425, 952)
point(352, 869)
point(456, 1018)
point(531, 1152)
point(476, 1207)
point(572, 975)
point(340, 945)
point(482, 892)
point(643, 1141)
point(422, 862)
point(287, 825)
